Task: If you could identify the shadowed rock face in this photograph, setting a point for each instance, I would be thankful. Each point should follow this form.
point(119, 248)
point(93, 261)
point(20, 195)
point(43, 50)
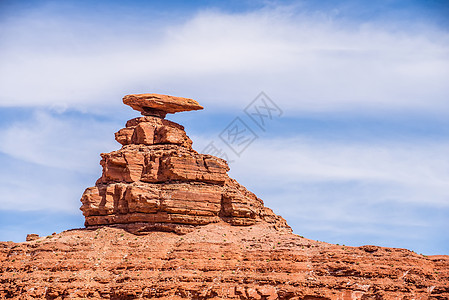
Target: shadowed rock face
point(156, 181)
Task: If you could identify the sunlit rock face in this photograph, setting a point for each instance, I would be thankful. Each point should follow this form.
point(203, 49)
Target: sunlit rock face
point(156, 181)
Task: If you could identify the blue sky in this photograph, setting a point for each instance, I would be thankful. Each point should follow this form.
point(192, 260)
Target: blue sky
point(359, 155)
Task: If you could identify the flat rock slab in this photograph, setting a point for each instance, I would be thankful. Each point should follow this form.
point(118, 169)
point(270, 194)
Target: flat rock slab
point(160, 105)
point(215, 261)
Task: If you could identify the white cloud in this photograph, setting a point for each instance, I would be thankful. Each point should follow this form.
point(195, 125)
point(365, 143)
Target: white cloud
point(30, 188)
point(394, 194)
point(59, 142)
point(305, 62)
point(49, 159)
point(407, 172)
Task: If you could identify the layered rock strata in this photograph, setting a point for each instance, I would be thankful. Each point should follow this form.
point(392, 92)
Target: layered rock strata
point(215, 261)
point(156, 181)
point(159, 105)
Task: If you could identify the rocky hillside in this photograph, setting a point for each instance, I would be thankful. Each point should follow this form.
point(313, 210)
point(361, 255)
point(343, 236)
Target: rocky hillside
point(164, 221)
point(216, 260)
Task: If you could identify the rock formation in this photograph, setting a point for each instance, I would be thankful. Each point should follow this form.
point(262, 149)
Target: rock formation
point(156, 181)
point(160, 105)
point(166, 222)
point(215, 261)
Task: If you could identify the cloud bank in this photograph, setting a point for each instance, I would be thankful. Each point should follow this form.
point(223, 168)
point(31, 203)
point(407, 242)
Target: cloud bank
point(310, 61)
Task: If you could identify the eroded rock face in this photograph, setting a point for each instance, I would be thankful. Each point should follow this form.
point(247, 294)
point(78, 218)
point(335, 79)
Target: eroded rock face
point(215, 261)
point(156, 181)
point(153, 131)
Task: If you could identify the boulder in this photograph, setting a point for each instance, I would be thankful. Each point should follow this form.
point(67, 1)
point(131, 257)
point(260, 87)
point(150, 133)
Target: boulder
point(159, 105)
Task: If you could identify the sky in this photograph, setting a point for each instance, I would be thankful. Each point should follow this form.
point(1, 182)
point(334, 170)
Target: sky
point(355, 151)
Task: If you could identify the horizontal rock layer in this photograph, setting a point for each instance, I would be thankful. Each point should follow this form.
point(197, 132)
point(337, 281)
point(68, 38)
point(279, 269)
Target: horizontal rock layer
point(158, 180)
point(216, 261)
point(159, 105)
point(161, 163)
point(178, 203)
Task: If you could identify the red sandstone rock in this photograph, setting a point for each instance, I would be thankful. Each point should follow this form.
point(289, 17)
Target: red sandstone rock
point(161, 163)
point(151, 131)
point(156, 181)
point(215, 261)
point(159, 105)
point(32, 237)
point(180, 203)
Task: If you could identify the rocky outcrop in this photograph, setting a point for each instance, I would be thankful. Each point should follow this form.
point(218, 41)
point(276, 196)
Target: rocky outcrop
point(157, 187)
point(156, 181)
point(215, 261)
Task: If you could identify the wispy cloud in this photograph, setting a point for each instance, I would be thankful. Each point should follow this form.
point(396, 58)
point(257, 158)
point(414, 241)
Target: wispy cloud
point(59, 141)
point(47, 160)
point(308, 61)
point(407, 173)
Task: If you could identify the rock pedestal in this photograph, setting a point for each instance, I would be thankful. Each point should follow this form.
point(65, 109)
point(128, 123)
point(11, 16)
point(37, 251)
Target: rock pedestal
point(238, 249)
point(156, 181)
